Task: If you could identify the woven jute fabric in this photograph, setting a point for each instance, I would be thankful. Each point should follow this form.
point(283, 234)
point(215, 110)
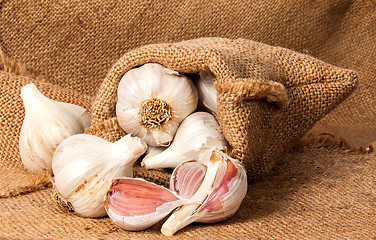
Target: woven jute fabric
point(268, 97)
point(313, 193)
point(74, 44)
point(14, 178)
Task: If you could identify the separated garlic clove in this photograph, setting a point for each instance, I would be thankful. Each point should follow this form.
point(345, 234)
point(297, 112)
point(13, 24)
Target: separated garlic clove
point(152, 101)
point(207, 94)
point(219, 196)
point(199, 132)
point(135, 204)
point(46, 124)
point(187, 178)
point(85, 165)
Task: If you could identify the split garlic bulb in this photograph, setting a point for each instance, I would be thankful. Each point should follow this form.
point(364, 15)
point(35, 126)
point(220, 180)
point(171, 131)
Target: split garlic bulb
point(152, 101)
point(208, 191)
point(199, 132)
point(46, 124)
point(207, 94)
point(85, 166)
point(215, 191)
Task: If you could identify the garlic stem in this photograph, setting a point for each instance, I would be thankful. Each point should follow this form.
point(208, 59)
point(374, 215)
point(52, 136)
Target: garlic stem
point(184, 215)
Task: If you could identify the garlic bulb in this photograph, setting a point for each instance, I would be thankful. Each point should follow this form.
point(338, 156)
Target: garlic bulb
point(207, 94)
point(85, 166)
point(46, 124)
point(222, 188)
point(152, 101)
point(201, 130)
point(135, 204)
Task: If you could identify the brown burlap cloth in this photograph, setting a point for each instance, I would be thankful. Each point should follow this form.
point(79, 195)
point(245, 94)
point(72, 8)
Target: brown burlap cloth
point(314, 192)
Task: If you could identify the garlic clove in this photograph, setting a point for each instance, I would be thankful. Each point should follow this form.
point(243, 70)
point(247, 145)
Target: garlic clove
point(218, 197)
point(85, 165)
point(135, 204)
point(46, 124)
point(202, 131)
point(152, 101)
point(207, 94)
point(187, 178)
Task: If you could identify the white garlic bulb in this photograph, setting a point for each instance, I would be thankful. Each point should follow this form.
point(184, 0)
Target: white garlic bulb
point(46, 124)
point(207, 94)
point(85, 166)
point(199, 132)
point(152, 101)
point(215, 194)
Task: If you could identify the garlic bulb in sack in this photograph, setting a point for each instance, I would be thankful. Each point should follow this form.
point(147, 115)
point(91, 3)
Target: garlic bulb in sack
point(46, 124)
point(215, 191)
point(207, 94)
point(152, 101)
point(199, 132)
point(85, 166)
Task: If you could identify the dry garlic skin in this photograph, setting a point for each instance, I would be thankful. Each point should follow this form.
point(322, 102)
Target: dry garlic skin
point(46, 124)
point(152, 101)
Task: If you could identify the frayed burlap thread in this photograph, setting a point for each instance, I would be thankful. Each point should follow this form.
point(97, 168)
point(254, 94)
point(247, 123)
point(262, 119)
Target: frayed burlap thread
point(268, 97)
point(14, 178)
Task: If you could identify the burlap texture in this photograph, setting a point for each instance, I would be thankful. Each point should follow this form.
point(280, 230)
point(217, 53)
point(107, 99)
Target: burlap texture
point(75, 43)
point(313, 194)
point(14, 178)
point(268, 97)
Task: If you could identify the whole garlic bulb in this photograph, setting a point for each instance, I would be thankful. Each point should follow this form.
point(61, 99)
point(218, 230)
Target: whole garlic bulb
point(199, 132)
point(85, 166)
point(46, 124)
point(152, 101)
point(207, 94)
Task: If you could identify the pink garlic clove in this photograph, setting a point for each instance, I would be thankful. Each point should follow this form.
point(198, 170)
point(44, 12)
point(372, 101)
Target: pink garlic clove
point(187, 178)
point(135, 204)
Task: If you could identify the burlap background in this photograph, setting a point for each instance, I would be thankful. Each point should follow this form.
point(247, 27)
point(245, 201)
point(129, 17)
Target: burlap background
point(314, 193)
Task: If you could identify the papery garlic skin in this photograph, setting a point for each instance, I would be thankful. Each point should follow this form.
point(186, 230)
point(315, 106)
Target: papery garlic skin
point(46, 124)
point(207, 94)
point(199, 132)
point(219, 196)
point(85, 166)
point(152, 101)
point(135, 204)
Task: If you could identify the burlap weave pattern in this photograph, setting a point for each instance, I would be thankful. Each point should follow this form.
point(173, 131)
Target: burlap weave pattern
point(313, 193)
point(249, 77)
point(75, 43)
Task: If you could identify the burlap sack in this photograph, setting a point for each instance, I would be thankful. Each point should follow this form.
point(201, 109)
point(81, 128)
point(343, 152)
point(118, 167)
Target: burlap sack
point(268, 97)
point(313, 193)
point(14, 178)
point(74, 44)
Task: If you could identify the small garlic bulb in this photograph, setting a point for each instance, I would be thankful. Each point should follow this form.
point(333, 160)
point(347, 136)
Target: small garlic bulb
point(85, 166)
point(197, 133)
point(214, 193)
point(152, 101)
point(207, 94)
point(46, 124)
